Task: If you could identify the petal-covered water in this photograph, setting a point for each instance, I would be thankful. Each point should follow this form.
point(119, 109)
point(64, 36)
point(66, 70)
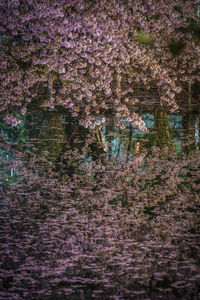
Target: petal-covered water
point(100, 214)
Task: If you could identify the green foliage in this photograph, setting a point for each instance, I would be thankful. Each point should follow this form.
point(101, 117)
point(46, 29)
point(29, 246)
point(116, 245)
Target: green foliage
point(144, 38)
point(156, 16)
point(176, 47)
point(177, 8)
point(11, 180)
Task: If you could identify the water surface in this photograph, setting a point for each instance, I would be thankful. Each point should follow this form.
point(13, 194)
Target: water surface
point(106, 213)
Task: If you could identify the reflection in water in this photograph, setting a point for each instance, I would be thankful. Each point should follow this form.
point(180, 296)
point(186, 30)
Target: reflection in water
point(51, 137)
point(51, 133)
point(100, 214)
point(197, 133)
point(189, 143)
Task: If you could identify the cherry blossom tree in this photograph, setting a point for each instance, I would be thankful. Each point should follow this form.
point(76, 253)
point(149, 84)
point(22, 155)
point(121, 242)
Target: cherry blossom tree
point(87, 55)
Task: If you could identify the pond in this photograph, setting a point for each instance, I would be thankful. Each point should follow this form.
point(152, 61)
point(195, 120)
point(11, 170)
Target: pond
point(103, 213)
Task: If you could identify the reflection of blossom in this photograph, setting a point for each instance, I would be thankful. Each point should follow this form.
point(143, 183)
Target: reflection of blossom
point(12, 120)
point(23, 111)
point(98, 221)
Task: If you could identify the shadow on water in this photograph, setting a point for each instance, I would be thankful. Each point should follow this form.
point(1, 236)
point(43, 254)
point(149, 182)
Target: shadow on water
point(103, 213)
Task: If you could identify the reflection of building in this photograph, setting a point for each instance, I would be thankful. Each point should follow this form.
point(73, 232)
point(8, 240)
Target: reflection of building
point(100, 138)
point(198, 9)
point(164, 129)
point(137, 147)
point(191, 132)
